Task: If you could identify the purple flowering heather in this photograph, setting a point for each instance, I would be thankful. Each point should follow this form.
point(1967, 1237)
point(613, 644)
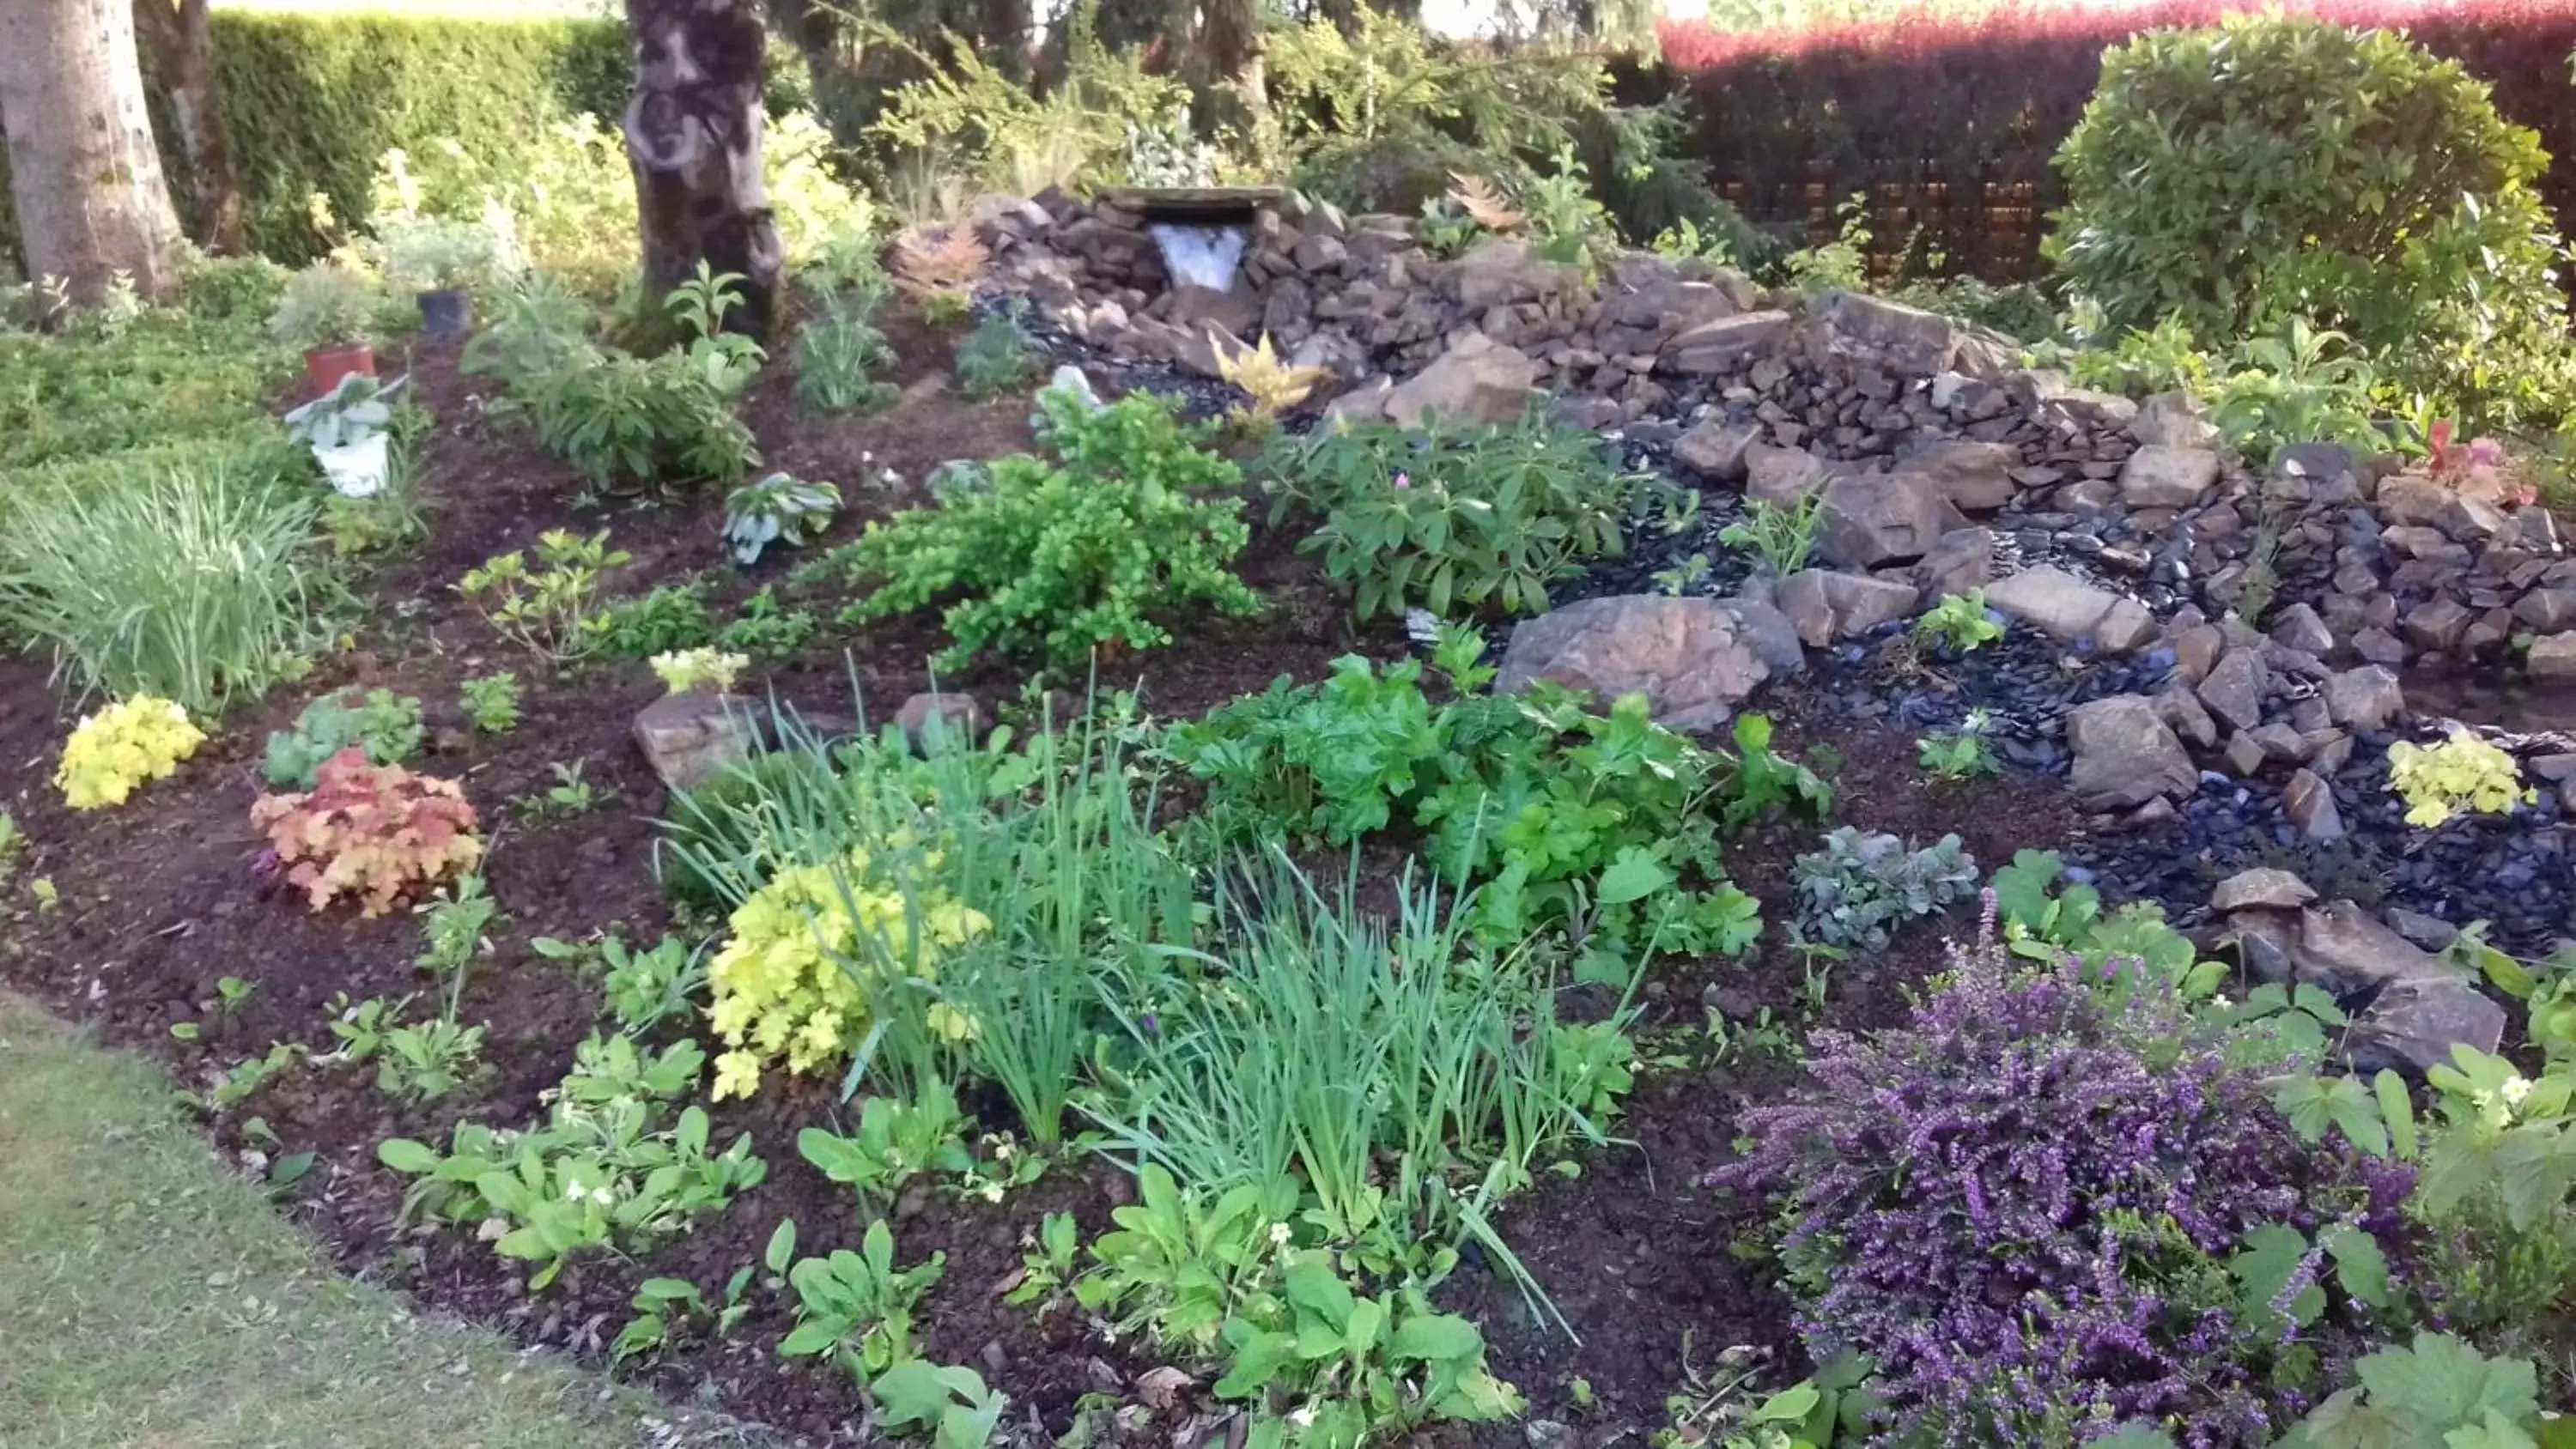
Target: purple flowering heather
point(2021, 1206)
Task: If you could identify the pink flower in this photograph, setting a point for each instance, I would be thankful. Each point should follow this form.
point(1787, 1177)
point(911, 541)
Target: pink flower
point(2485, 453)
point(1403, 480)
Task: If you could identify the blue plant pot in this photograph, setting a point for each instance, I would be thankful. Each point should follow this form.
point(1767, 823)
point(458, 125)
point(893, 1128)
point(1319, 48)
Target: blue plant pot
point(446, 314)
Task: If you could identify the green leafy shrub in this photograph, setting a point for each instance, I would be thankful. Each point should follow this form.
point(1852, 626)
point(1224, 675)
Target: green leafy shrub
point(619, 417)
point(199, 586)
point(2271, 167)
point(548, 610)
point(385, 724)
point(1479, 518)
point(1066, 556)
point(1557, 814)
point(1857, 890)
point(671, 618)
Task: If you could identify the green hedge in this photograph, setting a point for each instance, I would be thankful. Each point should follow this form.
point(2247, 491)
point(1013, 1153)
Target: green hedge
point(312, 101)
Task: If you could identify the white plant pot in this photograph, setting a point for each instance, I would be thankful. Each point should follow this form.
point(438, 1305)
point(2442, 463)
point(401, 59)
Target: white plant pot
point(359, 469)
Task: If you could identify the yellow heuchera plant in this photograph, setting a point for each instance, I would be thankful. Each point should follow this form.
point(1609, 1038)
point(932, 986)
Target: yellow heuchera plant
point(683, 670)
point(2460, 774)
point(778, 987)
point(128, 743)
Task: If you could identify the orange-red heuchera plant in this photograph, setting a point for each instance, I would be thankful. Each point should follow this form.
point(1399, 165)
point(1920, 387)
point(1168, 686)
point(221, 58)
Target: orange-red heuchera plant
point(379, 833)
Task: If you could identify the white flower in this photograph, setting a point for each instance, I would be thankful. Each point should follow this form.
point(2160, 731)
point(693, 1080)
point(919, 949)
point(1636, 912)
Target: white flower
point(1278, 1235)
point(1304, 1417)
point(572, 1189)
point(2515, 1088)
point(602, 1196)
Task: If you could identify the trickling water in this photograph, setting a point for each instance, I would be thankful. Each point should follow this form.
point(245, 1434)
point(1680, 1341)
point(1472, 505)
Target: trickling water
point(1204, 255)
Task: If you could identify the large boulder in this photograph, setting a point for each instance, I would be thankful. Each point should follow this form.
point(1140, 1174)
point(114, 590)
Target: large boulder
point(2068, 608)
point(691, 738)
point(1478, 380)
point(1693, 659)
point(2161, 476)
point(1723, 345)
point(1867, 519)
point(1904, 339)
point(1783, 477)
point(1715, 449)
point(1504, 270)
point(2552, 657)
point(1975, 477)
point(1823, 605)
point(2415, 1007)
point(2125, 754)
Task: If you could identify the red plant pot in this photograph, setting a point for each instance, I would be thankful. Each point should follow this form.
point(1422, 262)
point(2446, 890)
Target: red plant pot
point(325, 366)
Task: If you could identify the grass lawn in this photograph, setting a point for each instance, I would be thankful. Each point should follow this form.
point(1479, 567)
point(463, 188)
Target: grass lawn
point(150, 1298)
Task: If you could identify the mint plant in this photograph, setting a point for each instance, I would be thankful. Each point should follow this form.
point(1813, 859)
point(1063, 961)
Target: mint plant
point(1856, 891)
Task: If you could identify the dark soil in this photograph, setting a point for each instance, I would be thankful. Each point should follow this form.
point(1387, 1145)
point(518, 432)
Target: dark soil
point(157, 902)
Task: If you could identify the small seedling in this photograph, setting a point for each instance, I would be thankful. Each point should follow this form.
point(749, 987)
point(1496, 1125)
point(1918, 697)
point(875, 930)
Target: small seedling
point(1961, 753)
point(570, 794)
point(492, 702)
point(1781, 538)
point(1682, 577)
point(13, 843)
point(1959, 623)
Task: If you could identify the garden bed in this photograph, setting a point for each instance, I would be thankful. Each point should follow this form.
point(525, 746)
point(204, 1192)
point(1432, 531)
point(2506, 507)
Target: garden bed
point(1657, 1278)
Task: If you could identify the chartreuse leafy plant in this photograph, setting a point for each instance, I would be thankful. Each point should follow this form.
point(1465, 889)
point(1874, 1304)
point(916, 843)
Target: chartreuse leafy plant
point(1959, 623)
point(786, 988)
point(122, 746)
point(1087, 552)
point(1456, 520)
point(668, 617)
point(384, 724)
point(379, 833)
point(601, 1175)
point(689, 671)
point(2038, 1211)
point(2462, 774)
point(2270, 167)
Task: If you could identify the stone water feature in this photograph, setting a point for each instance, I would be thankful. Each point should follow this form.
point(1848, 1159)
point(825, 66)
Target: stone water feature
point(2123, 542)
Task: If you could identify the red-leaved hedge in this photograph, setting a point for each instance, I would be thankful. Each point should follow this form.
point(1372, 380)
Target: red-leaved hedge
point(1950, 120)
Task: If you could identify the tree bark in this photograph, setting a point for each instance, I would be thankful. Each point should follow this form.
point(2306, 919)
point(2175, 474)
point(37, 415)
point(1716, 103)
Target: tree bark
point(83, 170)
point(183, 50)
point(693, 139)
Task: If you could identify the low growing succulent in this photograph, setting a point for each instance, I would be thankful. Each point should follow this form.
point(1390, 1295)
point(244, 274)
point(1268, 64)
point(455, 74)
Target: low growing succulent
point(1856, 891)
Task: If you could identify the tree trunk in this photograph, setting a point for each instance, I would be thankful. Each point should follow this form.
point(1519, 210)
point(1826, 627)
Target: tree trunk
point(83, 170)
point(183, 50)
point(693, 137)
